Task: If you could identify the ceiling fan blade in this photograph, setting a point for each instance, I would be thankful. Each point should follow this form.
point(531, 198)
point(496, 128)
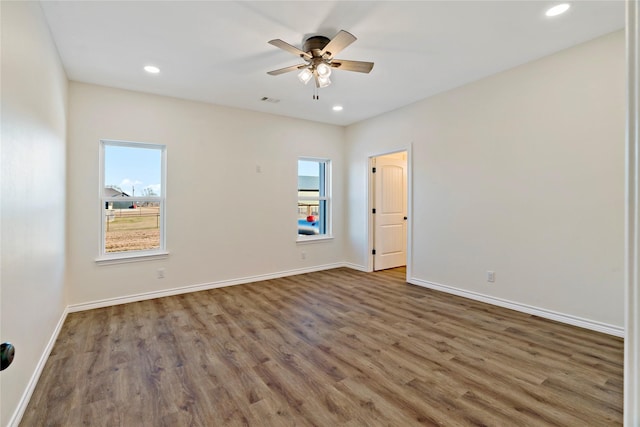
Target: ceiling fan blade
point(286, 69)
point(339, 42)
point(292, 49)
point(359, 66)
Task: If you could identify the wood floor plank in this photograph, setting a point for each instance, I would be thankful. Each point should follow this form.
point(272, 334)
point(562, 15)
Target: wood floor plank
point(332, 348)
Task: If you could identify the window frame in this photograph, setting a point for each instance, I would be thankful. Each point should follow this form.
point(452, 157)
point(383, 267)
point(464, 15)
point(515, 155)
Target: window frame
point(134, 255)
point(326, 198)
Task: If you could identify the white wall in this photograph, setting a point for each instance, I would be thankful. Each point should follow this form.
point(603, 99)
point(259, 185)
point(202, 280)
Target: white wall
point(225, 221)
point(34, 114)
point(521, 173)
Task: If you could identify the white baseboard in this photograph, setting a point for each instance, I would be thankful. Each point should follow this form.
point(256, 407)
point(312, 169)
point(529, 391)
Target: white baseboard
point(356, 267)
point(14, 421)
point(195, 288)
point(524, 308)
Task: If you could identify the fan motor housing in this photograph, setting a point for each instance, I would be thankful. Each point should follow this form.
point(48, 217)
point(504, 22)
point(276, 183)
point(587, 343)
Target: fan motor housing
point(315, 44)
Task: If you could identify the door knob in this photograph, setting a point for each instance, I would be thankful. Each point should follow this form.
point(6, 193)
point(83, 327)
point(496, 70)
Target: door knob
point(7, 352)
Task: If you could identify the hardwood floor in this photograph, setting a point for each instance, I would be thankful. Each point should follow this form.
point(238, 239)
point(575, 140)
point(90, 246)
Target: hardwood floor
point(338, 347)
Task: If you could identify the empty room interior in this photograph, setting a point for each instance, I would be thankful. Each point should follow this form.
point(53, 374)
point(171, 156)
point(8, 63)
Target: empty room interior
point(314, 213)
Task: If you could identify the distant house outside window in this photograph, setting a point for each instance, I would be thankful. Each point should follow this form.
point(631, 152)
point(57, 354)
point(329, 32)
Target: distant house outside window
point(132, 186)
point(313, 198)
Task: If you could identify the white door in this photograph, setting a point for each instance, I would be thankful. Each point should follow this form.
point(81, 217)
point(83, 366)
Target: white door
point(390, 217)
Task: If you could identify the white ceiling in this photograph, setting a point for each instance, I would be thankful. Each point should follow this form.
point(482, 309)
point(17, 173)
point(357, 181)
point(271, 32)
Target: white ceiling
point(217, 51)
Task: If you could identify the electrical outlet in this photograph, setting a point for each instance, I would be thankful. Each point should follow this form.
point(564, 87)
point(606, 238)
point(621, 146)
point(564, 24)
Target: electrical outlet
point(303, 255)
point(160, 273)
point(491, 276)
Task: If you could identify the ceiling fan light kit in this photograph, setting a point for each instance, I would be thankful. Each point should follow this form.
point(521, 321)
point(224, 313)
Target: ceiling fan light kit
point(318, 53)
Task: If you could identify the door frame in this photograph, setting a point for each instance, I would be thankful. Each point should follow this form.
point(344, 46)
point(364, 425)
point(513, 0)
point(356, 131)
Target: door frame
point(632, 221)
point(369, 216)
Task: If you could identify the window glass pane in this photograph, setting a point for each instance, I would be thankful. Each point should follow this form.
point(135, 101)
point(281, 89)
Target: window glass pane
point(312, 207)
point(309, 217)
point(131, 172)
point(309, 176)
point(132, 228)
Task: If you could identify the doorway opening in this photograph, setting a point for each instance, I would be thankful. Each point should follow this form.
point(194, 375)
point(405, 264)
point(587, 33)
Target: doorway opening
point(389, 206)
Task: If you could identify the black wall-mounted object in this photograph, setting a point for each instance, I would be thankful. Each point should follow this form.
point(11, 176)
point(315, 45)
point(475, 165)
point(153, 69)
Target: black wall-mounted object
point(7, 353)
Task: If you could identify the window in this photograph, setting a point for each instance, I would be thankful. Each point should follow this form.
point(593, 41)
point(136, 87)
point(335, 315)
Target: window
point(314, 208)
point(132, 188)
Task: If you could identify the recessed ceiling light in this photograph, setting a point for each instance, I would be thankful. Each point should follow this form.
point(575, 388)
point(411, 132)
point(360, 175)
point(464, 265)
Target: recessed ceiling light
point(558, 9)
point(152, 69)
point(337, 108)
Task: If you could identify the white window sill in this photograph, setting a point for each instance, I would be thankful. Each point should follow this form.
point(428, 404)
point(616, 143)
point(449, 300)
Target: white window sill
point(121, 258)
point(314, 239)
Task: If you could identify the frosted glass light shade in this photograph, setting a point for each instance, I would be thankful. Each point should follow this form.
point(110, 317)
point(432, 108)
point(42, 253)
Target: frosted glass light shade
point(305, 75)
point(324, 81)
point(323, 70)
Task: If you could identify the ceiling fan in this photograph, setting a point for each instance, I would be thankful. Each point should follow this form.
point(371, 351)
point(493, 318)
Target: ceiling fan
point(319, 52)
